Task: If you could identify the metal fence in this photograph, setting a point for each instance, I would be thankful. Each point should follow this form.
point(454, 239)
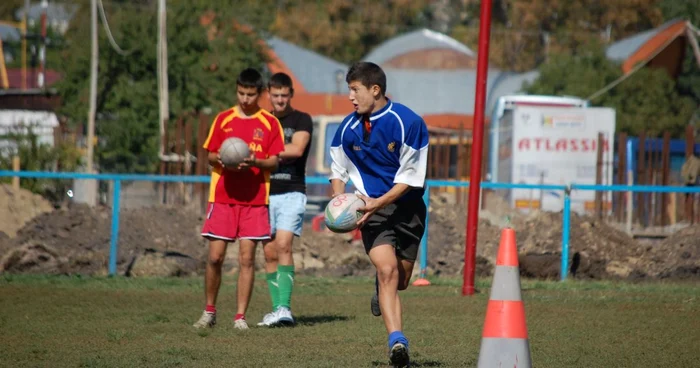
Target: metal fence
point(565, 190)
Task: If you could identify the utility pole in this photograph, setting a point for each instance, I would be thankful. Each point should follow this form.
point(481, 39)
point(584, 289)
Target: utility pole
point(164, 108)
point(93, 87)
point(25, 24)
point(42, 47)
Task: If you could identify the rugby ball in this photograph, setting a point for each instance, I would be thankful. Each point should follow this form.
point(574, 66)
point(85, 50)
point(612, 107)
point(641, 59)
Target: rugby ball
point(233, 151)
point(341, 214)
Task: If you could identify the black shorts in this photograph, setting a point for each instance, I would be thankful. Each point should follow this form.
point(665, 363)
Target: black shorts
point(399, 224)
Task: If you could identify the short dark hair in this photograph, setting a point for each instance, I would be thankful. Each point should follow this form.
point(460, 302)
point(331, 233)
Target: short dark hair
point(250, 78)
point(368, 74)
point(281, 80)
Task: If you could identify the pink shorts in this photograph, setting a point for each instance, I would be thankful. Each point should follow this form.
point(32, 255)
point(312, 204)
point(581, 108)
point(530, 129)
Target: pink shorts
point(235, 221)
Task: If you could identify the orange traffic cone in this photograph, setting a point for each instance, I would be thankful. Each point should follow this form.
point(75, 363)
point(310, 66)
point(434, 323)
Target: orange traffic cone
point(504, 340)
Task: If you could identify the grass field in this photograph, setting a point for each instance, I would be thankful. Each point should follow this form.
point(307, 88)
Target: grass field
point(118, 322)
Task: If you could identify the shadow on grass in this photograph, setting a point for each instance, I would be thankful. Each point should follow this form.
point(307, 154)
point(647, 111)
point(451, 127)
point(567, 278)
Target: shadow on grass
point(322, 318)
point(414, 363)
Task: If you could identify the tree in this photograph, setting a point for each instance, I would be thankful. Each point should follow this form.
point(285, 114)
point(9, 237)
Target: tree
point(646, 101)
point(203, 64)
point(8, 9)
point(346, 30)
point(525, 33)
point(23, 141)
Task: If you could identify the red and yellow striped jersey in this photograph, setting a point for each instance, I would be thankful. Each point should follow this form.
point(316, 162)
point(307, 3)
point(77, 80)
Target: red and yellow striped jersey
point(263, 133)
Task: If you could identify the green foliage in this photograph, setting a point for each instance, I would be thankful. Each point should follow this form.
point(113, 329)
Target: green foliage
point(37, 156)
point(686, 9)
point(646, 101)
point(346, 30)
point(689, 79)
point(8, 9)
point(200, 75)
point(580, 75)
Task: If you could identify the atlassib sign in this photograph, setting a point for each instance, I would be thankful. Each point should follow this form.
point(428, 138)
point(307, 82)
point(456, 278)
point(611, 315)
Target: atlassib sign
point(559, 146)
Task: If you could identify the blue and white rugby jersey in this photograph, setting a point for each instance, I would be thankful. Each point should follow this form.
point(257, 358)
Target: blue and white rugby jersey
point(397, 151)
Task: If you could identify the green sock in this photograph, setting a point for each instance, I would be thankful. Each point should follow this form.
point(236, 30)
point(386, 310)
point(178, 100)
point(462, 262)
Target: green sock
point(285, 281)
point(274, 290)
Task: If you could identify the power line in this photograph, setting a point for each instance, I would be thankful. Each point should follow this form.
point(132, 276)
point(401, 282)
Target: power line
point(109, 32)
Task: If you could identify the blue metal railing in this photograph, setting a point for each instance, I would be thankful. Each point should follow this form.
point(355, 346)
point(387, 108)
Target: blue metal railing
point(566, 190)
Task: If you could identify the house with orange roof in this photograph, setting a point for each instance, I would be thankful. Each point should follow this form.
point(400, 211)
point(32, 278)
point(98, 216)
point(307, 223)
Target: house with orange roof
point(661, 47)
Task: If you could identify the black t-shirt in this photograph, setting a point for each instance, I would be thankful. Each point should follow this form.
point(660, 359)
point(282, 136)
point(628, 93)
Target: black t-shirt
point(291, 174)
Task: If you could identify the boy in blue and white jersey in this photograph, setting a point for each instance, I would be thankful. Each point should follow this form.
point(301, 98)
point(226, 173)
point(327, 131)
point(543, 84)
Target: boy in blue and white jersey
point(383, 148)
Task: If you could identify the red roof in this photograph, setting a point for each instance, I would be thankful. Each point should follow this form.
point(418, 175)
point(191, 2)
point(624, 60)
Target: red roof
point(316, 104)
point(664, 49)
point(14, 77)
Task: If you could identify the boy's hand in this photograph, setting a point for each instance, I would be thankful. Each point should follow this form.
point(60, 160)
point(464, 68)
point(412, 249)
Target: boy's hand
point(371, 206)
point(238, 168)
point(248, 162)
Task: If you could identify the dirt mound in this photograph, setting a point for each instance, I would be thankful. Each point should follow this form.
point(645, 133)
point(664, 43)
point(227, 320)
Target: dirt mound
point(597, 250)
point(17, 207)
point(166, 241)
point(678, 256)
point(156, 241)
point(328, 254)
point(80, 236)
point(446, 239)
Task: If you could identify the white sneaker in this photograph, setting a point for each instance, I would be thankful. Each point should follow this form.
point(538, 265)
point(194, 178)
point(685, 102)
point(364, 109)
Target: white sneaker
point(284, 317)
point(240, 324)
point(207, 319)
point(270, 319)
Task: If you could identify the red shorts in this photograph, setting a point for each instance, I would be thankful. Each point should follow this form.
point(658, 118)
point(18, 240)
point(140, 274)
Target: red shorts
point(235, 221)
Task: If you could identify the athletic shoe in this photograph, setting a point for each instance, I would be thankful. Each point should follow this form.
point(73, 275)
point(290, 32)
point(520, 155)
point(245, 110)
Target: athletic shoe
point(240, 324)
point(374, 305)
point(398, 357)
point(208, 319)
point(270, 319)
point(284, 317)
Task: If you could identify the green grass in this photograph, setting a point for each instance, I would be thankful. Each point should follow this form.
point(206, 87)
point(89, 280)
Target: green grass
point(118, 322)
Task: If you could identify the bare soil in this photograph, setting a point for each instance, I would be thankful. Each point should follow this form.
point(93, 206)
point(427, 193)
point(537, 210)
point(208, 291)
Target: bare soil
point(165, 241)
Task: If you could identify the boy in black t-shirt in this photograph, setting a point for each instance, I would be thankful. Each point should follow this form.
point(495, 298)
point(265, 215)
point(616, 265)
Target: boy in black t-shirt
point(287, 199)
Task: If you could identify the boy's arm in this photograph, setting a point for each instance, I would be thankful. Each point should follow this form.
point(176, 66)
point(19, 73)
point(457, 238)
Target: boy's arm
point(413, 158)
point(269, 163)
point(296, 148)
point(214, 160)
point(213, 143)
point(339, 165)
point(338, 187)
point(300, 139)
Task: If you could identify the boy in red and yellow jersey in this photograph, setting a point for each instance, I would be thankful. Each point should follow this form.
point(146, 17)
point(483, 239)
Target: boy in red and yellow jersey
point(238, 196)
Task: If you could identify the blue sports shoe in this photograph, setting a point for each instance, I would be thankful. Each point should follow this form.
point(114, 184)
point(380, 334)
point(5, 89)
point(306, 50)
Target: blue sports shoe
point(398, 356)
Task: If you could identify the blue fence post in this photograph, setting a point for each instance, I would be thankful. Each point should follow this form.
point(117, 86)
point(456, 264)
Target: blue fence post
point(566, 226)
point(114, 238)
point(424, 240)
